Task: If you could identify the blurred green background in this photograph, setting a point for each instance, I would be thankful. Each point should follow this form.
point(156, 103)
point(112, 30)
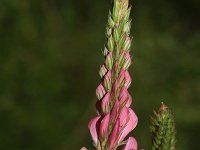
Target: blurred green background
point(50, 53)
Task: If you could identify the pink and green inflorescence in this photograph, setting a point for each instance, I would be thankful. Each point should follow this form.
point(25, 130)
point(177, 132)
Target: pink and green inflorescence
point(115, 119)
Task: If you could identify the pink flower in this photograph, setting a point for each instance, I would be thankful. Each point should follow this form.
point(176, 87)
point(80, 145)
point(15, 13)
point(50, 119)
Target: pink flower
point(115, 120)
point(126, 122)
point(104, 126)
point(131, 122)
point(105, 103)
point(131, 144)
point(83, 148)
point(114, 135)
point(93, 129)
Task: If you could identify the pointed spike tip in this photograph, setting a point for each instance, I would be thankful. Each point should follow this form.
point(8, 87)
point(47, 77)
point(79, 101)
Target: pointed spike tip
point(163, 107)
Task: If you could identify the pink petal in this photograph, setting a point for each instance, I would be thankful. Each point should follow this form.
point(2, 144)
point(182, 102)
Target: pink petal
point(116, 87)
point(123, 96)
point(128, 79)
point(105, 104)
point(93, 129)
point(121, 76)
point(114, 135)
point(131, 144)
point(104, 126)
point(100, 91)
point(131, 124)
point(129, 100)
point(127, 62)
point(107, 80)
point(83, 148)
point(123, 117)
point(115, 111)
point(133, 118)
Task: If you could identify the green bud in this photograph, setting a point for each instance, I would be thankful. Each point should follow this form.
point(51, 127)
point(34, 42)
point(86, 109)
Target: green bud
point(127, 27)
point(127, 44)
point(108, 31)
point(111, 23)
point(109, 61)
point(116, 11)
point(105, 51)
point(127, 14)
point(122, 40)
point(108, 81)
point(116, 35)
point(127, 64)
point(121, 59)
point(110, 43)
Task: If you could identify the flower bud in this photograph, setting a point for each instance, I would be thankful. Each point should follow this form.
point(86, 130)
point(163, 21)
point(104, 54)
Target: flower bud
point(123, 96)
point(116, 87)
point(116, 35)
point(108, 81)
point(111, 23)
point(127, 44)
point(121, 76)
point(110, 43)
point(116, 11)
point(100, 91)
point(115, 111)
point(102, 71)
point(127, 14)
point(109, 61)
point(127, 27)
point(108, 31)
point(105, 51)
point(122, 40)
point(105, 103)
point(127, 62)
point(127, 79)
point(121, 58)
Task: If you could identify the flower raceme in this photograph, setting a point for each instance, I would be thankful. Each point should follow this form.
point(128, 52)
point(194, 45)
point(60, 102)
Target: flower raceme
point(115, 119)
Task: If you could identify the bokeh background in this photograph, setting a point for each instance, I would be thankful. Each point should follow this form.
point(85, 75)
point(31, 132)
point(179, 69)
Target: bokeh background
point(50, 53)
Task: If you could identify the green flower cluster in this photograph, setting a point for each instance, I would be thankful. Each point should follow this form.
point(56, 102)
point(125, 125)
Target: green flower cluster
point(163, 129)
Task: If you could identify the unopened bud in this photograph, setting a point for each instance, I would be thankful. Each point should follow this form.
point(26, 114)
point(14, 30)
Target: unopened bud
point(109, 61)
point(116, 35)
point(110, 43)
point(127, 44)
point(108, 81)
point(102, 71)
point(127, 62)
point(100, 91)
point(111, 23)
point(127, 79)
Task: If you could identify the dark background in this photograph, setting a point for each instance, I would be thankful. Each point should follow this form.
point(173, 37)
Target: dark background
point(50, 53)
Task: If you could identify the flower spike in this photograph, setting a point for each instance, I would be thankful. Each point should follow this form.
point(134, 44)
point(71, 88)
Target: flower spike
point(115, 119)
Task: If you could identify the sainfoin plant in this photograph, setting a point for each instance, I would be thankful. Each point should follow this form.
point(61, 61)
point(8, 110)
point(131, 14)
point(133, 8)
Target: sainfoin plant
point(115, 118)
